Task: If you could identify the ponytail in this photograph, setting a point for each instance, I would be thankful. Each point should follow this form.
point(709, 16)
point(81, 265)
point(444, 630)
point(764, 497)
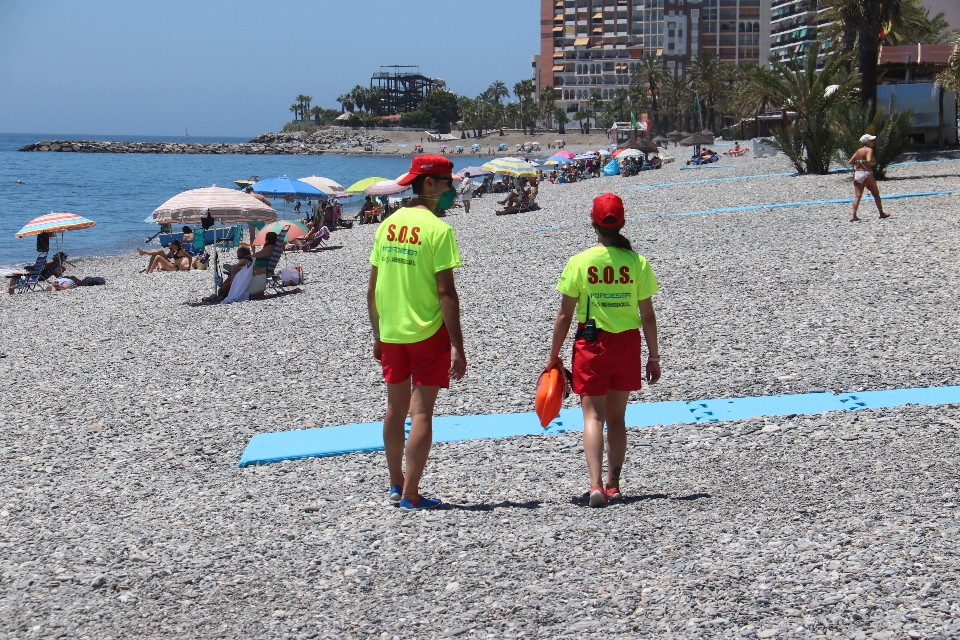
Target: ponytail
point(612, 235)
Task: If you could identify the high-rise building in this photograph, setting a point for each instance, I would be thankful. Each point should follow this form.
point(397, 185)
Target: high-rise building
point(593, 46)
point(794, 24)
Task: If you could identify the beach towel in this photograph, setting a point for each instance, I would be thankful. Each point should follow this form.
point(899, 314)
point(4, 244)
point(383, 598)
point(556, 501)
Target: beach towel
point(238, 288)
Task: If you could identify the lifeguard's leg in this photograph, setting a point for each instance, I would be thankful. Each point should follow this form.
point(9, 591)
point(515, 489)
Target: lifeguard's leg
point(398, 405)
point(422, 402)
point(594, 415)
point(616, 435)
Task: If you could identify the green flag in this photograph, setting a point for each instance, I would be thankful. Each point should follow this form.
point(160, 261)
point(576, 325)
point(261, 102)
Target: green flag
point(633, 120)
point(696, 104)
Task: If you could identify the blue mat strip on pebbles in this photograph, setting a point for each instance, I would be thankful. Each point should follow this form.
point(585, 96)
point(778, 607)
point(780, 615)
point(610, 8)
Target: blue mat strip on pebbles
point(353, 438)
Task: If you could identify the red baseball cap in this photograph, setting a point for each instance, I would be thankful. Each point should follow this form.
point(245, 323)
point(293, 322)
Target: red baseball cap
point(426, 165)
point(607, 211)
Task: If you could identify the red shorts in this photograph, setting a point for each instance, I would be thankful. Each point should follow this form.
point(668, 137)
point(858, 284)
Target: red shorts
point(612, 362)
point(427, 362)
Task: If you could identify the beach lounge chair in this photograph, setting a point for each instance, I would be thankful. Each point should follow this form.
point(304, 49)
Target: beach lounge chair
point(30, 280)
point(259, 282)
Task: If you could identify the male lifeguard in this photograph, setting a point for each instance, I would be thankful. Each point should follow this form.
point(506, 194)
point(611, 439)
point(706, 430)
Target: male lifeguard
point(415, 315)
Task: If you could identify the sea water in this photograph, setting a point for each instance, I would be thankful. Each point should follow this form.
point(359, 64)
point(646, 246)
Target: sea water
point(118, 191)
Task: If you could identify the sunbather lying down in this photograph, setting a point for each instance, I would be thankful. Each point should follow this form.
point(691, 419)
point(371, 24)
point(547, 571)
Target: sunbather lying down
point(515, 198)
point(66, 282)
point(312, 240)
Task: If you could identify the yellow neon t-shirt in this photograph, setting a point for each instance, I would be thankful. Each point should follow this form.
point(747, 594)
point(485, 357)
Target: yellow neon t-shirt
point(614, 281)
point(412, 245)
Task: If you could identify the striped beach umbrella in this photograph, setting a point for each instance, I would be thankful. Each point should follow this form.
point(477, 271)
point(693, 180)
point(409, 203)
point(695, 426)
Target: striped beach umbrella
point(513, 167)
point(54, 223)
point(229, 205)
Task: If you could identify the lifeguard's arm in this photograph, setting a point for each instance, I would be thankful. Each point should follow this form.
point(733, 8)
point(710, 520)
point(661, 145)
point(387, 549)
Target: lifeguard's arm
point(372, 312)
point(649, 319)
point(561, 327)
point(450, 310)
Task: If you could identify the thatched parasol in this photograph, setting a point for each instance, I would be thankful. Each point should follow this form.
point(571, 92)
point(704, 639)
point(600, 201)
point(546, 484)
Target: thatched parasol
point(661, 140)
point(707, 132)
point(643, 144)
point(676, 135)
point(696, 140)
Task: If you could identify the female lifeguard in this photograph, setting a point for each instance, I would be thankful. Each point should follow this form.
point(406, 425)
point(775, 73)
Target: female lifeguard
point(610, 287)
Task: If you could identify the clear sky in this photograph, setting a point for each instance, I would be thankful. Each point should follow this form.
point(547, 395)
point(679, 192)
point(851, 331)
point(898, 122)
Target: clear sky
point(222, 68)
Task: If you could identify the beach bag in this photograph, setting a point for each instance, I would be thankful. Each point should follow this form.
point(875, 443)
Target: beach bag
point(289, 276)
point(92, 281)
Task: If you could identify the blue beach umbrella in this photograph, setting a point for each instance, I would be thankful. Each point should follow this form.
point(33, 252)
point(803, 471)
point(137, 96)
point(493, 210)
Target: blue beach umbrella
point(284, 187)
point(557, 160)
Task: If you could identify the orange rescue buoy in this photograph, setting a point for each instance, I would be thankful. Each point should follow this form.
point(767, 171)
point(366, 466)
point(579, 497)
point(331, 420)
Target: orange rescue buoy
point(551, 388)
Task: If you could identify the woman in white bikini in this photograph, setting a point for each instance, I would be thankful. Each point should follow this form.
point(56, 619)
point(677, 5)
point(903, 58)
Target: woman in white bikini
point(863, 163)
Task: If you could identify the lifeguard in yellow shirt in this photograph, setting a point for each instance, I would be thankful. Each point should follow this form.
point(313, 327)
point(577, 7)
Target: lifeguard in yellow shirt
point(609, 287)
point(415, 313)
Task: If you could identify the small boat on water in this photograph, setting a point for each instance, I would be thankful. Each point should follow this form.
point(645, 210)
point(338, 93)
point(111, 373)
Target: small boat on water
point(243, 184)
point(185, 134)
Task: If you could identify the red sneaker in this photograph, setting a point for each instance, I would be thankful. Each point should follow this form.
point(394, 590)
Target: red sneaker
point(612, 493)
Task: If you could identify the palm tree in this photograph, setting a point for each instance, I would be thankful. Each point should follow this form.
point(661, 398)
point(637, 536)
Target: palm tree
point(618, 104)
point(547, 103)
point(346, 102)
point(317, 113)
point(511, 113)
point(707, 78)
point(524, 91)
point(596, 105)
point(295, 108)
point(584, 114)
point(561, 116)
point(862, 25)
point(949, 78)
point(304, 101)
point(650, 72)
point(359, 95)
point(498, 90)
point(809, 141)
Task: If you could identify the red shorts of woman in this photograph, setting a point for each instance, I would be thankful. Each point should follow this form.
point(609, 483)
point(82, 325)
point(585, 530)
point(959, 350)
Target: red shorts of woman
point(427, 362)
point(612, 362)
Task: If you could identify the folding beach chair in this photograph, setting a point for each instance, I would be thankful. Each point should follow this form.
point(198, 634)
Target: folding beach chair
point(530, 204)
point(30, 281)
point(273, 279)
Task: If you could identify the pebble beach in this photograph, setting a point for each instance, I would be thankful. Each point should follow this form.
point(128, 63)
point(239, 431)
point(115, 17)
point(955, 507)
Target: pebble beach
point(123, 512)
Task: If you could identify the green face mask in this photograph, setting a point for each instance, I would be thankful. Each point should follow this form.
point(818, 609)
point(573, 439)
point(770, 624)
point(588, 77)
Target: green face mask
point(447, 198)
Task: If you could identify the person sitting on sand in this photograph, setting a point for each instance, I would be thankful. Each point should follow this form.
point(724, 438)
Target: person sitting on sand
point(188, 235)
point(54, 267)
point(174, 259)
point(66, 282)
point(244, 258)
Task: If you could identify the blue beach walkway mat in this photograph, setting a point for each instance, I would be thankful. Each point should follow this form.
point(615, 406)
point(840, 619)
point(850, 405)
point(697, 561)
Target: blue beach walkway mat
point(354, 438)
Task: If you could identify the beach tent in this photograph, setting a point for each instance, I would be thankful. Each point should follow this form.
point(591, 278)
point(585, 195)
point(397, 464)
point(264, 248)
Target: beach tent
point(611, 169)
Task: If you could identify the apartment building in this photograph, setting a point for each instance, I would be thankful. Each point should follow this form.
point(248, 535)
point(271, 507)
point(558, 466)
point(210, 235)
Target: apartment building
point(589, 46)
point(794, 24)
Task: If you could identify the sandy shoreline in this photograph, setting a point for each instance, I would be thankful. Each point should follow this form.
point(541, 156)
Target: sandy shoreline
point(122, 511)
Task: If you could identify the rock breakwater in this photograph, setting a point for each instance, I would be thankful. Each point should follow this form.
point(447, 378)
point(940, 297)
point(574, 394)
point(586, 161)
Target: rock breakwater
point(292, 143)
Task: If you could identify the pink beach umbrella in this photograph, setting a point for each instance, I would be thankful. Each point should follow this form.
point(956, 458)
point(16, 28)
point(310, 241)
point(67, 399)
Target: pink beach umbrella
point(566, 154)
point(385, 188)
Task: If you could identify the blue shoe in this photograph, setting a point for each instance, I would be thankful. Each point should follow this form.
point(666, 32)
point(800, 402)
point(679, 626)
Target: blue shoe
point(423, 503)
point(396, 492)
